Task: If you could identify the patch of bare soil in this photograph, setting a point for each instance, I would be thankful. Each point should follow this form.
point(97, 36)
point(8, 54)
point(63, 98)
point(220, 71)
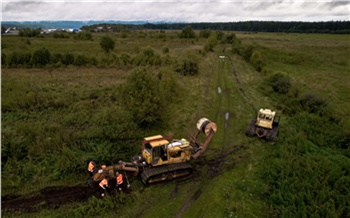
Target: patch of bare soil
point(49, 197)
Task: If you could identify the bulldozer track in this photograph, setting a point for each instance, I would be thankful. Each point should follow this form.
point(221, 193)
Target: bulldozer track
point(166, 173)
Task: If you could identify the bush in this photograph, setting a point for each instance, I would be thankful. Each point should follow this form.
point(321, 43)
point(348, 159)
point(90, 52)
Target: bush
point(68, 59)
point(147, 57)
point(3, 59)
point(204, 33)
point(83, 36)
point(57, 58)
point(41, 57)
point(280, 82)
point(60, 35)
point(187, 32)
point(258, 60)
point(211, 42)
point(188, 66)
point(17, 59)
point(141, 96)
point(81, 60)
point(125, 59)
point(27, 32)
point(107, 43)
point(314, 104)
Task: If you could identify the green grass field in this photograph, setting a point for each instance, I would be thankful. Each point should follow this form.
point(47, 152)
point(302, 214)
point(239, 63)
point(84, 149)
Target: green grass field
point(55, 119)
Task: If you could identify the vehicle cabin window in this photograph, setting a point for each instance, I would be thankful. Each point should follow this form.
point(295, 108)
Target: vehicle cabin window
point(148, 147)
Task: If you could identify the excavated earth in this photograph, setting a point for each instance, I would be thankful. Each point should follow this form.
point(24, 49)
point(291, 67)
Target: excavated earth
point(47, 198)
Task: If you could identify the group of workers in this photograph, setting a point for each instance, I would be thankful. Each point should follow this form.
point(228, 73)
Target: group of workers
point(103, 185)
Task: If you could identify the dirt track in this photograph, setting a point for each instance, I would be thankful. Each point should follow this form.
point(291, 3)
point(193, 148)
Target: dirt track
point(49, 197)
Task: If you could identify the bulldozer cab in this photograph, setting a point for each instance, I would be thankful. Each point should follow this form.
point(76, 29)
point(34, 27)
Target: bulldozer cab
point(159, 151)
point(265, 118)
point(154, 149)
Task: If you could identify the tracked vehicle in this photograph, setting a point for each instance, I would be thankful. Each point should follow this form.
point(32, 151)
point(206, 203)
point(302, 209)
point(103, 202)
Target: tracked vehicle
point(265, 125)
point(162, 159)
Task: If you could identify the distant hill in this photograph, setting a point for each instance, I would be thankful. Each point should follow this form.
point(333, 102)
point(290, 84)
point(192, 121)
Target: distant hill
point(63, 24)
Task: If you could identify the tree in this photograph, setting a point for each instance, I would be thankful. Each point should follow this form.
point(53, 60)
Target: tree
point(141, 97)
point(107, 43)
point(187, 32)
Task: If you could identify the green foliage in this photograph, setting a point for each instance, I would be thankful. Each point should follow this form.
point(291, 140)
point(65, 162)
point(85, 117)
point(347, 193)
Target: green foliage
point(231, 39)
point(204, 33)
point(27, 32)
point(187, 32)
point(165, 50)
point(41, 57)
point(280, 82)
point(81, 60)
point(3, 59)
point(19, 59)
point(141, 97)
point(68, 58)
point(83, 36)
point(148, 56)
point(61, 35)
point(211, 42)
point(107, 43)
point(316, 187)
point(187, 66)
point(257, 60)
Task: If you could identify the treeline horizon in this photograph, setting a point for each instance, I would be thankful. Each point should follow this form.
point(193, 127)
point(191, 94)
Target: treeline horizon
point(334, 27)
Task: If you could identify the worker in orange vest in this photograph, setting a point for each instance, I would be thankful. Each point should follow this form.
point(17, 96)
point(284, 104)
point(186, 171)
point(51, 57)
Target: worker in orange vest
point(119, 181)
point(103, 185)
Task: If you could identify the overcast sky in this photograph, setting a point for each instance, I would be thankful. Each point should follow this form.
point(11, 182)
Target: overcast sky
point(176, 11)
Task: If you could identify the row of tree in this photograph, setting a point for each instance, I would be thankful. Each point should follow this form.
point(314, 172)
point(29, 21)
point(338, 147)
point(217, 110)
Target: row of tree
point(338, 27)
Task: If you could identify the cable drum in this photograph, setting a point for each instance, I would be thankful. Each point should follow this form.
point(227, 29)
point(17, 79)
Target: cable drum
point(205, 126)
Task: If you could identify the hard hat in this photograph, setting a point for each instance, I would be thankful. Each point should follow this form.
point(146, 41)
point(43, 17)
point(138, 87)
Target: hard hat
point(117, 173)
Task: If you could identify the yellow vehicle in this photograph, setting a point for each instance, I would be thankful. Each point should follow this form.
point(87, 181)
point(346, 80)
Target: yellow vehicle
point(266, 124)
point(162, 158)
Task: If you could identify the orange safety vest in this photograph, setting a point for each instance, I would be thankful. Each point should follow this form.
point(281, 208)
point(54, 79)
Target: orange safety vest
point(91, 166)
point(104, 183)
point(120, 179)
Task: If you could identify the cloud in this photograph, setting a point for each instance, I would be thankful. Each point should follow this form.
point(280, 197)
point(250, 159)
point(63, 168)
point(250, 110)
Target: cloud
point(176, 11)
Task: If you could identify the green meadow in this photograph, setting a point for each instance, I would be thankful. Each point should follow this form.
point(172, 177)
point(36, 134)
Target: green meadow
point(82, 104)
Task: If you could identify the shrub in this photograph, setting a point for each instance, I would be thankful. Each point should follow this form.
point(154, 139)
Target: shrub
point(211, 42)
point(125, 59)
point(41, 57)
point(141, 96)
point(187, 32)
point(258, 60)
point(280, 82)
point(68, 59)
point(314, 103)
point(107, 43)
point(3, 59)
point(56, 58)
point(204, 33)
point(81, 60)
point(188, 66)
point(83, 36)
point(165, 50)
point(60, 35)
point(27, 32)
point(231, 39)
point(148, 56)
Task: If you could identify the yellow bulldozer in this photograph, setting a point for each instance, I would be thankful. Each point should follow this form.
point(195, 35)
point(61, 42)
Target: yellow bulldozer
point(264, 125)
point(162, 158)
